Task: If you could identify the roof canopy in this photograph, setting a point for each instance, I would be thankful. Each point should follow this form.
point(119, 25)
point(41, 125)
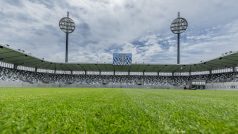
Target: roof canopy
point(18, 58)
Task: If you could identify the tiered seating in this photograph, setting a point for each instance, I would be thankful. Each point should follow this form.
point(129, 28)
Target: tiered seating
point(12, 75)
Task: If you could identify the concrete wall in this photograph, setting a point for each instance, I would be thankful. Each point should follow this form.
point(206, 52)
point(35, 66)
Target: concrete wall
point(7, 83)
point(224, 85)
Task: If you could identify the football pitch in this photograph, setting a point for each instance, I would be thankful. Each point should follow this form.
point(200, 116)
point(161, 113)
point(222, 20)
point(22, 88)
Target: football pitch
point(95, 110)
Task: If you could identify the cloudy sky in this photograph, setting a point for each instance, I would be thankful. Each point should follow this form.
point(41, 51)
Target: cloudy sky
point(140, 27)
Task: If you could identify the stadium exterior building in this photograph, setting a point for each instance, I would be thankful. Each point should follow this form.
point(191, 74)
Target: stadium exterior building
point(194, 75)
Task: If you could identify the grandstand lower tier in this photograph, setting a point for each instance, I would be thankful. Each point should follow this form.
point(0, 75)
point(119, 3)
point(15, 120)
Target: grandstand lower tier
point(19, 78)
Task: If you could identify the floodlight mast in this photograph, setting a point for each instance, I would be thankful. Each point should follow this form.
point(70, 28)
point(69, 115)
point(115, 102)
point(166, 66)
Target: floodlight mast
point(178, 41)
point(179, 26)
point(67, 45)
point(67, 25)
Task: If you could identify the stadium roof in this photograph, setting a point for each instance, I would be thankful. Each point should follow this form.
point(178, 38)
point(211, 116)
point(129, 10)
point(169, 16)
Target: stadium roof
point(19, 58)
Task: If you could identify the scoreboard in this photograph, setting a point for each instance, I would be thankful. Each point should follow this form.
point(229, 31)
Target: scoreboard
point(122, 59)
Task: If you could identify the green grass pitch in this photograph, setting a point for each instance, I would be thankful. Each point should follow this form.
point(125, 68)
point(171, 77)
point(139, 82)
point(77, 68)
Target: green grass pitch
point(85, 110)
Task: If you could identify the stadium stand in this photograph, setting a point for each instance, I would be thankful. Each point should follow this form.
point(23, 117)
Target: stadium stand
point(27, 78)
point(18, 69)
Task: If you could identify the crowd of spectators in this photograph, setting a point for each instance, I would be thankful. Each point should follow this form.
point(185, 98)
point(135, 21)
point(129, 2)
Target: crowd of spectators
point(14, 75)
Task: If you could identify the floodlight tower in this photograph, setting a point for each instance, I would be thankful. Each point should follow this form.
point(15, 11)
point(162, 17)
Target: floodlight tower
point(178, 26)
point(67, 25)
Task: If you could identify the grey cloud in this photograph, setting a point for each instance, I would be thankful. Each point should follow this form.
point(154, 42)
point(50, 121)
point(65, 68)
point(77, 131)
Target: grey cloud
point(106, 26)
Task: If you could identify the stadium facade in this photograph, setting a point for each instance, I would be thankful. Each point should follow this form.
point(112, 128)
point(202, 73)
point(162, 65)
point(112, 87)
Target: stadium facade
point(21, 69)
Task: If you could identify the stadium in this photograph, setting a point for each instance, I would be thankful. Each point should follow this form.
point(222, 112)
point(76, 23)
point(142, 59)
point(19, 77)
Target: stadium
point(21, 70)
point(41, 95)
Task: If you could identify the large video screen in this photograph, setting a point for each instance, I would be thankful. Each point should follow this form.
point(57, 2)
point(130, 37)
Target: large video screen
point(122, 59)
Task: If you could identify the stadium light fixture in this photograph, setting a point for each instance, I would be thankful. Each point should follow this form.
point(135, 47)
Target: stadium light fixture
point(67, 25)
point(178, 26)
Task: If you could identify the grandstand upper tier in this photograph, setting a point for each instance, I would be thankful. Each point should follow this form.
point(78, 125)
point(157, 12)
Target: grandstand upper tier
point(18, 58)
